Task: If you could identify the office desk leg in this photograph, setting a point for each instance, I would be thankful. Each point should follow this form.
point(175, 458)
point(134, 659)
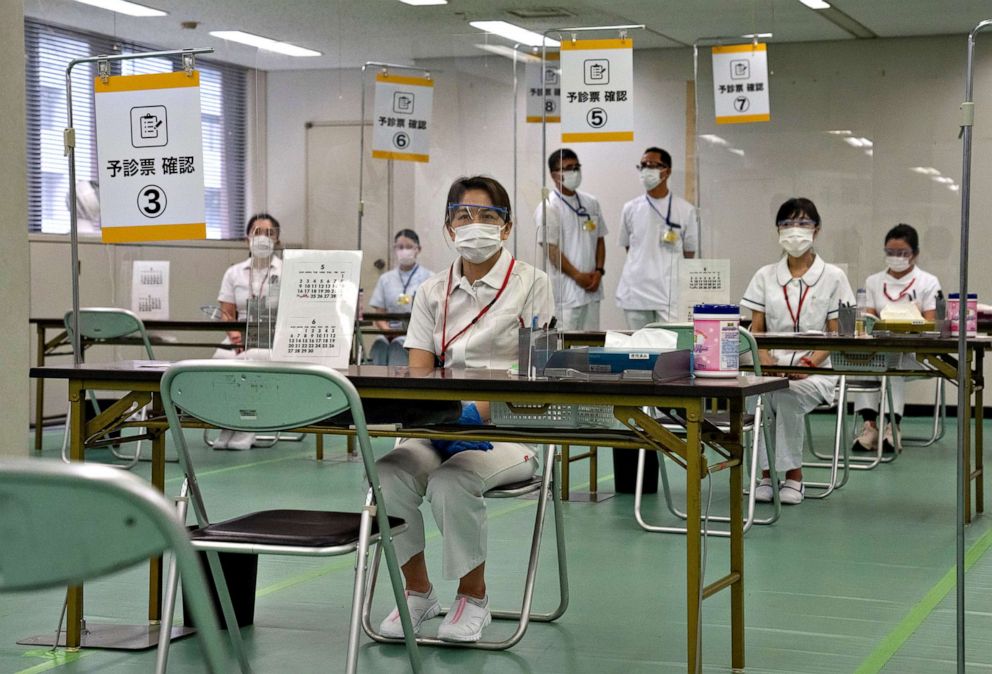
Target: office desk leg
point(693, 537)
point(737, 541)
point(593, 475)
point(39, 392)
point(74, 598)
point(980, 432)
point(965, 417)
point(158, 481)
point(566, 470)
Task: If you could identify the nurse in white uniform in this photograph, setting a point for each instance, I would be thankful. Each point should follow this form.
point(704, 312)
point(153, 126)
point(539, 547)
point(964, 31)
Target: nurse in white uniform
point(466, 316)
point(799, 293)
point(909, 290)
point(657, 229)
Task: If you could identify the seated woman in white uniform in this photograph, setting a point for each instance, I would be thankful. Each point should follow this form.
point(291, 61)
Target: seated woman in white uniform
point(394, 293)
point(466, 316)
point(245, 283)
point(799, 293)
point(904, 290)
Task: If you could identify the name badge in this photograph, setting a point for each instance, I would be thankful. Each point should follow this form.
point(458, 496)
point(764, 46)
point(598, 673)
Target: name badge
point(589, 226)
point(669, 237)
point(404, 299)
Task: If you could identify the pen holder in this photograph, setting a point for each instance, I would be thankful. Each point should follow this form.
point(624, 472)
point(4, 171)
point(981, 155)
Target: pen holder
point(535, 348)
point(845, 320)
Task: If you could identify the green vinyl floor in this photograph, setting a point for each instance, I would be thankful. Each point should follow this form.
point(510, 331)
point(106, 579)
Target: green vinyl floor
point(862, 581)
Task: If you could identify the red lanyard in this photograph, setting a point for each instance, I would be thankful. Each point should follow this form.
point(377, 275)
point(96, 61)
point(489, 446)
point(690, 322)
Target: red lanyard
point(445, 342)
point(802, 298)
point(902, 293)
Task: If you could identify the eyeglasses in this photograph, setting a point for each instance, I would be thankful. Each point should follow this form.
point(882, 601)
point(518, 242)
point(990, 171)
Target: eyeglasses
point(464, 214)
point(260, 231)
point(805, 223)
point(898, 252)
point(650, 165)
point(566, 169)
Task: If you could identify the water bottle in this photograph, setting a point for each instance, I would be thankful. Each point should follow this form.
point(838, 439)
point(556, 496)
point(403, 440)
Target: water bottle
point(859, 319)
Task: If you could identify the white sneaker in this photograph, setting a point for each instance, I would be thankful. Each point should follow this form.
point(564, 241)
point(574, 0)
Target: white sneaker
point(791, 492)
point(223, 438)
point(421, 609)
point(888, 443)
point(763, 492)
point(241, 440)
point(465, 620)
point(867, 441)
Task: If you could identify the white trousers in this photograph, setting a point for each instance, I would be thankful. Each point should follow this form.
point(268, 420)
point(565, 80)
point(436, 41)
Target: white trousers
point(585, 317)
point(637, 318)
point(413, 471)
point(787, 409)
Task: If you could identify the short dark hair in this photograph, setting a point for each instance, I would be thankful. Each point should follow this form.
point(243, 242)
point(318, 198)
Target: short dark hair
point(261, 216)
point(795, 207)
point(408, 233)
point(666, 158)
point(497, 193)
point(907, 233)
point(555, 158)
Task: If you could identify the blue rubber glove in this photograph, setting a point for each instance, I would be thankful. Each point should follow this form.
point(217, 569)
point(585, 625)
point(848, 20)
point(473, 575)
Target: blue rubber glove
point(448, 448)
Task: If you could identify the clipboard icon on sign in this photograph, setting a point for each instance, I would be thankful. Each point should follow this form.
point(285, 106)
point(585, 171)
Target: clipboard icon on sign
point(149, 126)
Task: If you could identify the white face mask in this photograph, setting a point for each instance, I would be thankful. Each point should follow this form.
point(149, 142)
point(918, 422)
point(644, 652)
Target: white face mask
point(898, 264)
point(261, 246)
point(796, 240)
point(406, 256)
point(650, 178)
point(571, 180)
point(478, 241)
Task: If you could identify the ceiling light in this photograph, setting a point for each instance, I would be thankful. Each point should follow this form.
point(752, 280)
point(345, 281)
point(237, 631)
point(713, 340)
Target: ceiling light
point(816, 4)
point(735, 150)
point(124, 7)
point(514, 33)
point(509, 52)
point(756, 36)
point(265, 43)
point(866, 142)
point(853, 142)
point(954, 188)
point(713, 138)
point(420, 3)
point(943, 180)
point(870, 152)
point(840, 132)
point(925, 170)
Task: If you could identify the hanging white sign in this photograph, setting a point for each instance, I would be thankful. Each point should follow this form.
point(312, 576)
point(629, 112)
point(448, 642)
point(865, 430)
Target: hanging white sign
point(150, 157)
point(597, 92)
point(544, 90)
point(318, 295)
point(402, 117)
point(740, 84)
point(150, 289)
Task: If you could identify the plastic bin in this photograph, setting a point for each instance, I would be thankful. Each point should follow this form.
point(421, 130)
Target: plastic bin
point(865, 361)
point(625, 471)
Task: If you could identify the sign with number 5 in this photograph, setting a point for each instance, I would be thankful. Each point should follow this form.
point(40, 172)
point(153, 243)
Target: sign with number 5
point(150, 157)
point(597, 90)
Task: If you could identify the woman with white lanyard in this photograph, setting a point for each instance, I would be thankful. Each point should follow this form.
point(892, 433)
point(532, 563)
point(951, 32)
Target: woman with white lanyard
point(247, 284)
point(800, 293)
point(394, 293)
point(464, 316)
point(911, 293)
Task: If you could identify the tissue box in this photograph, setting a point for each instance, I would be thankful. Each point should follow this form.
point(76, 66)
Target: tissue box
point(630, 363)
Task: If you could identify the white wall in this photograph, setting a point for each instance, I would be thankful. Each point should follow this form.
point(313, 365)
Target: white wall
point(14, 251)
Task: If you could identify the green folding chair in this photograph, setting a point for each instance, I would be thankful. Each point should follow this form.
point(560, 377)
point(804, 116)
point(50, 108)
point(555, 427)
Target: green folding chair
point(754, 423)
point(64, 524)
point(98, 324)
point(266, 396)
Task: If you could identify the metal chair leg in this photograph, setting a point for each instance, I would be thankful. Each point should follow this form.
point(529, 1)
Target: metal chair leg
point(840, 449)
point(939, 420)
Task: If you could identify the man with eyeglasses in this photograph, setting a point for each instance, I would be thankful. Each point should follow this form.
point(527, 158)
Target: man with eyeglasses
point(657, 229)
point(575, 243)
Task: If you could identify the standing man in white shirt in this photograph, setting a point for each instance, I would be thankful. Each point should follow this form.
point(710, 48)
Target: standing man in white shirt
point(576, 244)
point(657, 229)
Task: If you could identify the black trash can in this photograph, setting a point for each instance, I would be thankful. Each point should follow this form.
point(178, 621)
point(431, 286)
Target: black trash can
point(241, 572)
point(625, 471)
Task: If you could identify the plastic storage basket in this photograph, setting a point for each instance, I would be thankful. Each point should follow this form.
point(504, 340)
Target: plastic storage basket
point(865, 361)
point(554, 415)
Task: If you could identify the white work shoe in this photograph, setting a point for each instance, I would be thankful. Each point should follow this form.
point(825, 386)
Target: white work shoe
point(465, 620)
point(241, 440)
point(763, 492)
point(791, 492)
point(421, 609)
point(888, 443)
point(867, 441)
point(223, 438)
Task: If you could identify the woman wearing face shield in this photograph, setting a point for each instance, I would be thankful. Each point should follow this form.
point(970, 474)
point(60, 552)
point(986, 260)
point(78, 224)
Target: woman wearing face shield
point(465, 316)
point(251, 283)
point(394, 293)
point(902, 291)
point(799, 293)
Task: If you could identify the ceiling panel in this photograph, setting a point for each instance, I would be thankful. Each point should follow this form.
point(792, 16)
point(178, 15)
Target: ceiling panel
point(350, 32)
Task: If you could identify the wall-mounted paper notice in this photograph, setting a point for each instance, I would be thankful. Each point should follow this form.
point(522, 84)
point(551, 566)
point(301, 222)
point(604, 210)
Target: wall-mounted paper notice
point(318, 294)
point(150, 289)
